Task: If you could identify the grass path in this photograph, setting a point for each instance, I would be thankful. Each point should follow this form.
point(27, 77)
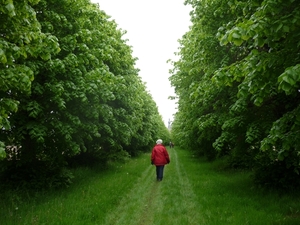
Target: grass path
point(171, 201)
point(193, 192)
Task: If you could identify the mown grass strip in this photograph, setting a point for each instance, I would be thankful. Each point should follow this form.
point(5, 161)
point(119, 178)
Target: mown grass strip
point(180, 205)
point(132, 203)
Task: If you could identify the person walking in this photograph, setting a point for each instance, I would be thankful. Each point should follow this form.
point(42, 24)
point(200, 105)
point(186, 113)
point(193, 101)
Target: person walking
point(159, 158)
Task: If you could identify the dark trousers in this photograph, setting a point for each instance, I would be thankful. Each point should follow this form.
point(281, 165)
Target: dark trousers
point(159, 172)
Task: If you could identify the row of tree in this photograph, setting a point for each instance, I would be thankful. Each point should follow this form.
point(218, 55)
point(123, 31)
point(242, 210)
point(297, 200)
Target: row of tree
point(238, 84)
point(68, 87)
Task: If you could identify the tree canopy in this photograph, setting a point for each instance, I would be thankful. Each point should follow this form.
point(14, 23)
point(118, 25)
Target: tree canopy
point(69, 86)
point(237, 82)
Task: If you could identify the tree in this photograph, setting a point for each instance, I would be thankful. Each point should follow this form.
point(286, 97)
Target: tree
point(238, 84)
point(85, 99)
point(21, 38)
point(269, 81)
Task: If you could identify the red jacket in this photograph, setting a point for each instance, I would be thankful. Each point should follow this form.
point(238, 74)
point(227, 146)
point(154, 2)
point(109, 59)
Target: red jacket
point(160, 155)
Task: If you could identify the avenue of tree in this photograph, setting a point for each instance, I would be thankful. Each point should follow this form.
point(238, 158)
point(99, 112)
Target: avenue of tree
point(238, 86)
point(69, 89)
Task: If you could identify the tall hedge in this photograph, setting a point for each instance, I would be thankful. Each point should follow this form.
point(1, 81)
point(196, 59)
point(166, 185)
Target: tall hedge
point(81, 95)
point(238, 86)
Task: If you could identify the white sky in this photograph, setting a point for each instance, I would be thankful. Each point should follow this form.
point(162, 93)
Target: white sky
point(153, 29)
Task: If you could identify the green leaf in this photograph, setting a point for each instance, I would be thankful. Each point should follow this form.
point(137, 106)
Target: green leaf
point(286, 29)
point(237, 42)
point(11, 9)
point(258, 101)
point(2, 151)
point(3, 58)
point(285, 86)
point(280, 157)
point(245, 37)
point(236, 35)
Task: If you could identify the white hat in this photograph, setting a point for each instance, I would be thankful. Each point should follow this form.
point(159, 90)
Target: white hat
point(159, 141)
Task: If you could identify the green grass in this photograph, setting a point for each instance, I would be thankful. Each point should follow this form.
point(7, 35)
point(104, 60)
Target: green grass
point(92, 196)
point(193, 192)
point(229, 197)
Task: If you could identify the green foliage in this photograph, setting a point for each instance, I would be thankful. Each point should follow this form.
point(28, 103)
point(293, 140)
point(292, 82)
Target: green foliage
point(289, 79)
point(21, 39)
point(70, 87)
point(237, 80)
point(2, 151)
